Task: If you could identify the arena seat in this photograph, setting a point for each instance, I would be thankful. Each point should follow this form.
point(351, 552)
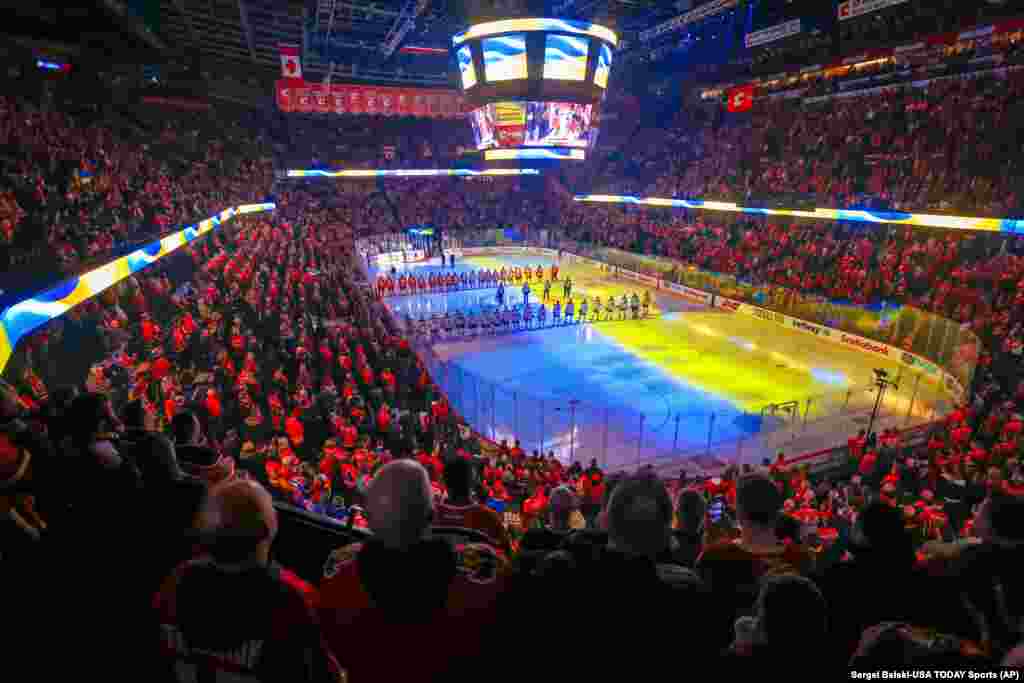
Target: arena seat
point(306, 539)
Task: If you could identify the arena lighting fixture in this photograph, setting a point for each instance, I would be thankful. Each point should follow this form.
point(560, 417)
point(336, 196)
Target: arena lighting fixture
point(52, 66)
point(491, 28)
point(409, 173)
point(920, 220)
point(19, 320)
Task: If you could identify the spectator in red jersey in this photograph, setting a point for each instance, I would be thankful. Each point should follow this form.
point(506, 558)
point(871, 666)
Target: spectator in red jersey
point(462, 511)
point(368, 597)
point(733, 568)
point(26, 460)
point(236, 612)
point(534, 508)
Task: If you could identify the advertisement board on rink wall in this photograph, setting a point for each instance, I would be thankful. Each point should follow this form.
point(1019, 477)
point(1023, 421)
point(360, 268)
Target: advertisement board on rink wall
point(727, 304)
point(690, 294)
point(854, 341)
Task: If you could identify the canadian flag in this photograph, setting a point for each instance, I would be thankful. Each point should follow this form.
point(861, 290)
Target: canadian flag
point(290, 66)
point(741, 99)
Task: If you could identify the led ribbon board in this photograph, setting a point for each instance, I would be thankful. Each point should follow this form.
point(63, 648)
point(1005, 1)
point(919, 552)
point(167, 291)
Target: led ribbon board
point(20, 319)
point(410, 173)
point(922, 220)
point(556, 154)
point(492, 28)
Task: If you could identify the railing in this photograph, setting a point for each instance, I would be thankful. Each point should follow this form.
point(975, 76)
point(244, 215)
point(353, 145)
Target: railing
point(580, 430)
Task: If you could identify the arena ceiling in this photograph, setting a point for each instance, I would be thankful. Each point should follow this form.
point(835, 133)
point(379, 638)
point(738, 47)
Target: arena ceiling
point(365, 39)
point(390, 41)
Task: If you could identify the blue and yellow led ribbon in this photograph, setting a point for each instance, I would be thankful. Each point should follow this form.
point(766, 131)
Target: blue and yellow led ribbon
point(923, 220)
point(409, 172)
point(19, 320)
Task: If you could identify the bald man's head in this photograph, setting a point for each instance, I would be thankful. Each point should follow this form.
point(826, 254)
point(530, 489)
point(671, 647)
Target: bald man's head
point(240, 521)
point(400, 503)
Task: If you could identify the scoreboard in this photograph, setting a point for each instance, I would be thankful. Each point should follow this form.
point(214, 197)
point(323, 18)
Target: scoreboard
point(538, 59)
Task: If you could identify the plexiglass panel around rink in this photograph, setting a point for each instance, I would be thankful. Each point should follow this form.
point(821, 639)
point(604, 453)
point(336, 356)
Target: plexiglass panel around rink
point(576, 427)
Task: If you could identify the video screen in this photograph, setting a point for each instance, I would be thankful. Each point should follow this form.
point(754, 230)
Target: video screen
point(535, 154)
point(604, 66)
point(509, 123)
point(466, 67)
point(559, 124)
point(505, 58)
point(565, 57)
point(482, 122)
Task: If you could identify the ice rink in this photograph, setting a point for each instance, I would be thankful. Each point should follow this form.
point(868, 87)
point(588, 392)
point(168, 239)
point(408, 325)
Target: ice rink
point(686, 384)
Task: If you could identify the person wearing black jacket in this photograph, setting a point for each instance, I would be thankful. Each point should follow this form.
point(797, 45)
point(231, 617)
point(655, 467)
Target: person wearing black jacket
point(689, 534)
point(883, 561)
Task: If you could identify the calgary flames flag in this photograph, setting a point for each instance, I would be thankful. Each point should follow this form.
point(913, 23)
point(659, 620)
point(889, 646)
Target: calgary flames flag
point(741, 99)
point(303, 97)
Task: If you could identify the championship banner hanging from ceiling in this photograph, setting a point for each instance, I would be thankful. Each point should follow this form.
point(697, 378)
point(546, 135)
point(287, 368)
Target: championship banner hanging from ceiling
point(303, 97)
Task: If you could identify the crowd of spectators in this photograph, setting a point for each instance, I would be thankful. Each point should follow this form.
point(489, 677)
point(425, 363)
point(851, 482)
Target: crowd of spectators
point(151, 438)
point(315, 141)
point(256, 366)
point(76, 189)
point(950, 146)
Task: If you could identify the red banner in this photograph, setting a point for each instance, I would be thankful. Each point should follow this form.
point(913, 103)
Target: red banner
point(299, 96)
